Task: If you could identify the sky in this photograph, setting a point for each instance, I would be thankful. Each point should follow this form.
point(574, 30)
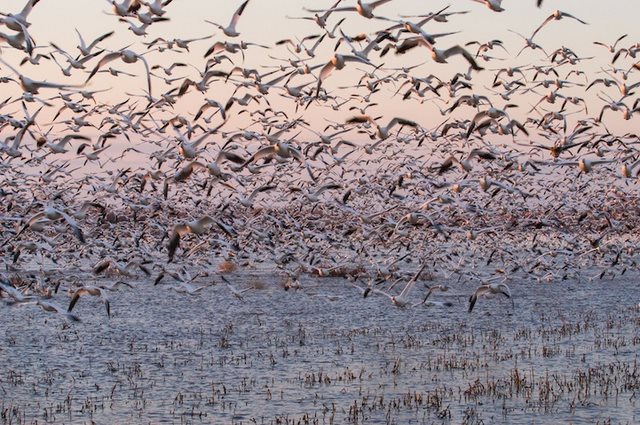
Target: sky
point(265, 22)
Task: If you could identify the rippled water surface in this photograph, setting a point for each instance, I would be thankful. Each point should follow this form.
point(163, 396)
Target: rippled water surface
point(324, 354)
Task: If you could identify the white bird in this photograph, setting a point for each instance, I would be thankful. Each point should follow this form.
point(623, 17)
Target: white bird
point(13, 150)
point(439, 55)
point(33, 86)
point(315, 195)
point(279, 149)
point(321, 20)
point(86, 50)
point(190, 149)
point(55, 308)
point(121, 268)
point(96, 291)
point(248, 201)
point(53, 214)
point(465, 164)
point(157, 6)
point(169, 69)
point(21, 41)
point(382, 132)
point(61, 146)
point(141, 30)
point(211, 103)
point(431, 289)
point(402, 299)
point(611, 48)
point(187, 170)
point(491, 113)
point(186, 288)
point(363, 9)
point(413, 218)
point(495, 5)
point(230, 31)
point(197, 227)
point(18, 21)
point(236, 292)
point(364, 53)
point(336, 62)
point(489, 289)
point(17, 296)
point(127, 56)
point(556, 16)
point(126, 8)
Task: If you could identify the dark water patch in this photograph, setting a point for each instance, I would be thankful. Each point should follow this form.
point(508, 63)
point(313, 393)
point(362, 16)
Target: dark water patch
point(324, 354)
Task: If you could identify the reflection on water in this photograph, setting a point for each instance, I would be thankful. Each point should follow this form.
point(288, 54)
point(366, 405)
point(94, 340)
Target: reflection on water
point(323, 354)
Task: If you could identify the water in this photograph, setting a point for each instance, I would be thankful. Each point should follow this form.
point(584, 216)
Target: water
point(323, 354)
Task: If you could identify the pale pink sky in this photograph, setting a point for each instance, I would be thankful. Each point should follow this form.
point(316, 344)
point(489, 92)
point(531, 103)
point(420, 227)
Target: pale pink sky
point(266, 21)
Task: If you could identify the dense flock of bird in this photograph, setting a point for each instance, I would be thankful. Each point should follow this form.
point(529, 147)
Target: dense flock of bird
point(501, 190)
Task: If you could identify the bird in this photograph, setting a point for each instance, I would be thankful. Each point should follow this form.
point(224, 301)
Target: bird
point(127, 56)
point(211, 103)
point(402, 300)
point(18, 297)
point(230, 30)
point(20, 41)
point(279, 149)
point(55, 308)
point(141, 30)
point(431, 289)
point(96, 291)
point(414, 218)
point(60, 147)
point(528, 44)
point(169, 69)
point(484, 47)
point(53, 214)
point(315, 195)
point(236, 292)
point(197, 227)
point(248, 201)
point(492, 113)
point(382, 132)
point(126, 7)
point(120, 268)
point(33, 86)
point(625, 89)
point(337, 62)
point(321, 20)
point(627, 112)
point(86, 50)
point(495, 5)
point(189, 150)
point(187, 171)
point(489, 289)
point(439, 55)
point(611, 48)
point(157, 6)
point(186, 288)
point(363, 9)
point(556, 16)
point(18, 21)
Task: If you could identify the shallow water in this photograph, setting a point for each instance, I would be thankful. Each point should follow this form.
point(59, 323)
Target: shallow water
point(567, 353)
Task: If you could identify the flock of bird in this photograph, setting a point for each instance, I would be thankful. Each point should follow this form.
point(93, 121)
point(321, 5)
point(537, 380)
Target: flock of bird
point(211, 185)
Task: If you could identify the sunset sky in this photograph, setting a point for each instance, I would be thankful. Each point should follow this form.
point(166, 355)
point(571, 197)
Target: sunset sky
point(265, 22)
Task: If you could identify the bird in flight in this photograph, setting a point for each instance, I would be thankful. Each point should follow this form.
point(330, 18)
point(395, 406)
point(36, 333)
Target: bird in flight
point(487, 289)
point(230, 30)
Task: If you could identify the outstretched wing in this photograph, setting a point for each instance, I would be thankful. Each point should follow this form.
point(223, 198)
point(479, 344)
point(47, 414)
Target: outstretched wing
point(105, 60)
